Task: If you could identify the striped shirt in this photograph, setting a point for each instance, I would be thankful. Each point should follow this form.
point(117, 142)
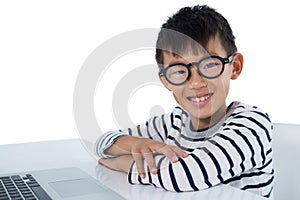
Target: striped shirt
point(236, 151)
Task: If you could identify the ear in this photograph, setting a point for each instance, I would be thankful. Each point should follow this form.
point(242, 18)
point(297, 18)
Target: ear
point(237, 66)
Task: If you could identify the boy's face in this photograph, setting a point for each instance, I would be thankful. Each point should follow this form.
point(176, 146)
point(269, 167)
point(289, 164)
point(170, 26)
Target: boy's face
point(204, 99)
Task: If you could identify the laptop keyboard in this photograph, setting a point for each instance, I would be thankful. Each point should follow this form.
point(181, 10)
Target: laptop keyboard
point(21, 187)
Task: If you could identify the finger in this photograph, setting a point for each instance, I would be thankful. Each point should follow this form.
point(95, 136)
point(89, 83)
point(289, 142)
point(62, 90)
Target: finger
point(179, 152)
point(169, 153)
point(139, 161)
point(150, 162)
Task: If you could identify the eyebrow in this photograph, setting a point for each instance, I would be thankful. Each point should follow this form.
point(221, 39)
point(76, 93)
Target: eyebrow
point(182, 58)
point(179, 60)
point(212, 54)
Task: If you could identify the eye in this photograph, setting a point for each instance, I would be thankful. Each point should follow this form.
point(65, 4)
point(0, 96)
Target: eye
point(178, 72)
point(210, 65)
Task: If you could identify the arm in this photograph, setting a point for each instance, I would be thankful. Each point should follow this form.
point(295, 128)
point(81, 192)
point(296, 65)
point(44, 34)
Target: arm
point(141, 143)
point(127, 149)
point(120, 163)
point(154, 129)
point(243, 145)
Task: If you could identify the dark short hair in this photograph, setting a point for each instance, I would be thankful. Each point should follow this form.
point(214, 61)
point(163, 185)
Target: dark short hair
point(199, 23)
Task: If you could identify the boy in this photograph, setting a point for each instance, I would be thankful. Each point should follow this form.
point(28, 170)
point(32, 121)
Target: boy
point(203, 142)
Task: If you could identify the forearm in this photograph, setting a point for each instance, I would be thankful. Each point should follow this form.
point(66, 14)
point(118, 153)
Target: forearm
point(106, 141)
point(116, 143)
point(142, 149)
point(113, 143)
point(121, 163)
point(122, 146)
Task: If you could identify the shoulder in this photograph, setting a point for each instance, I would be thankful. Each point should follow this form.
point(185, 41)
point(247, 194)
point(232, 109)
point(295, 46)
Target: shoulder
point(175, 119)
point(249, 117)
point(179, 111)
point(241, 109)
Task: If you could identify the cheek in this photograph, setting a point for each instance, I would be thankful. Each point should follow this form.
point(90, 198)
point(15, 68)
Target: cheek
point(224, 81)
point(177, 93)
point(176, 98)
point(224, 85)
point(219, 86)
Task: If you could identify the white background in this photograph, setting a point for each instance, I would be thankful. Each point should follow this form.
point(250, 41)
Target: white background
point(43, 45)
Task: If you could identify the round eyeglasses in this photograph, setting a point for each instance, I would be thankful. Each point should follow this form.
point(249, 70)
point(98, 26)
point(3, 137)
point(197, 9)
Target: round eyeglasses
point(209, 67)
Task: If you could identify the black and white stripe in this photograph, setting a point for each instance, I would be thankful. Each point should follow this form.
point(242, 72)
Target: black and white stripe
point(237, 151)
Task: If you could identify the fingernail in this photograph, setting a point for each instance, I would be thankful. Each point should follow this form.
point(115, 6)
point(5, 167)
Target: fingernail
point(153, 171)
point(142, 175)
point(174, 159)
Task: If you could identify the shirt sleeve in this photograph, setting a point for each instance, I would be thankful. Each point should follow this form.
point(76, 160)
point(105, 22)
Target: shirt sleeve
point(155, 128)
point(240, 146)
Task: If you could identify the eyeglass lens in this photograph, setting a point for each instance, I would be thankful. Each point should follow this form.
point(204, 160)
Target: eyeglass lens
point(209, 68)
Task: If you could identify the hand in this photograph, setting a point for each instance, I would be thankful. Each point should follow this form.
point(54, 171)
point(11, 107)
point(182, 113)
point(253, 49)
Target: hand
point(121, 163)
point(144, 148)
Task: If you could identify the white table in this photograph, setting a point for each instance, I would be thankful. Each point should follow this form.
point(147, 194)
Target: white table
point(71, 153)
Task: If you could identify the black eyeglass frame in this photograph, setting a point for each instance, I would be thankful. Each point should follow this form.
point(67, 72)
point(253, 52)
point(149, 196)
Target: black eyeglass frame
point(224, 61)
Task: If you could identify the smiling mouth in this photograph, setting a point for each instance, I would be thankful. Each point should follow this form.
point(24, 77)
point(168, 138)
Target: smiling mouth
point(200, 99)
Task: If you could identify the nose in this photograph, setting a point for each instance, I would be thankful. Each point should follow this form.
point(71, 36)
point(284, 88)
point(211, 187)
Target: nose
point(196, 81)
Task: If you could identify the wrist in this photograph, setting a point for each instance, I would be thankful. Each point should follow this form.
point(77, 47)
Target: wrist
point(121, 163)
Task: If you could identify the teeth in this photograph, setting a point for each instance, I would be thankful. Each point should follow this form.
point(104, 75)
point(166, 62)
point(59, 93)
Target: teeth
point(201, 99)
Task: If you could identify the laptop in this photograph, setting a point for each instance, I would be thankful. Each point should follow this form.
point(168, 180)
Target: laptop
point(61, 183)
